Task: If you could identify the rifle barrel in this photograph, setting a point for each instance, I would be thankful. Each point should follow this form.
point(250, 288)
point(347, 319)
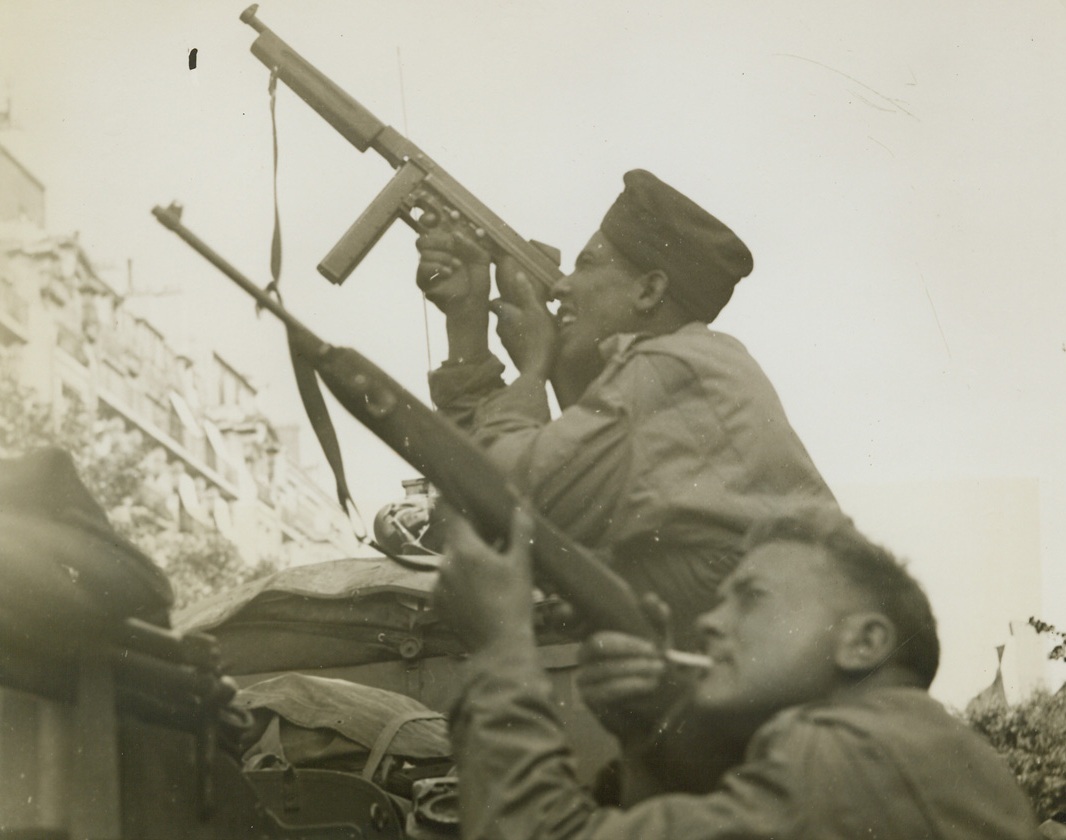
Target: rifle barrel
point(171, 219)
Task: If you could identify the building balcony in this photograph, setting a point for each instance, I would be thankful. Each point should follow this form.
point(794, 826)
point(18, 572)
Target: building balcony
point(72, 344)
point(152, 420)
point(118, 353)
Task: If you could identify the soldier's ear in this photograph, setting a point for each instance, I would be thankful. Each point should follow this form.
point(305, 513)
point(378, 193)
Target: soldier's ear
point(865, 641)
point(652, 292)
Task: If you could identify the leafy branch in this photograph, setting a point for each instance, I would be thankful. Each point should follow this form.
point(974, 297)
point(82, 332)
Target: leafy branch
point(1042, 627)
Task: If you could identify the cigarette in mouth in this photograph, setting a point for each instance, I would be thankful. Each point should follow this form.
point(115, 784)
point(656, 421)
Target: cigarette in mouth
point(689, 660)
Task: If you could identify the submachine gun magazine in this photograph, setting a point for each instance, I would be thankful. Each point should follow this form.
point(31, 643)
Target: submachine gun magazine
point(421, 193)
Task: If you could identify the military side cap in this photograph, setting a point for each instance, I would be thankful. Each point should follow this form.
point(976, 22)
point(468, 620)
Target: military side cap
point(655, 226)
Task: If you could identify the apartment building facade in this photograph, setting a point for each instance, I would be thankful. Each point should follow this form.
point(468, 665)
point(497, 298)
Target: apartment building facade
point(217, 461)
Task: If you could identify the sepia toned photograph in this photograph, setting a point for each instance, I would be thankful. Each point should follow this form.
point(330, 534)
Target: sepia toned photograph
point(494, 420)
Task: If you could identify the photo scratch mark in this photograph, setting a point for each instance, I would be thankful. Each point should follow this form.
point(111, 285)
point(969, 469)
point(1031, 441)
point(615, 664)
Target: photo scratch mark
point(882, 145)
point(897, 104)
point(936, 316)
point(872, 104)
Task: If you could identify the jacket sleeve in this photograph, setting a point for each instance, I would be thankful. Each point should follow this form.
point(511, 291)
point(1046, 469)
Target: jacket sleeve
point(456, 389)
point(573, 468)
point(578, 468)
point(517, 778)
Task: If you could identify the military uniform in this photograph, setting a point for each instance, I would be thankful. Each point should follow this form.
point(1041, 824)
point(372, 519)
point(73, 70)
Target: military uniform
point(679, 443)
point(667, 458)
point(885, 764)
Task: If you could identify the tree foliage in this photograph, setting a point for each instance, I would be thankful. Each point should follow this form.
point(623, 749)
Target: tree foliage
point(200, 564)
point(1059, 651)
point(1031, 736)
point(115, 463)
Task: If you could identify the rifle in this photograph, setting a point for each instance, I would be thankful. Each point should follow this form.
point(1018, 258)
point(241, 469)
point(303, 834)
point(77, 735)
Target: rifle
point(421, 193)
point(445, 455)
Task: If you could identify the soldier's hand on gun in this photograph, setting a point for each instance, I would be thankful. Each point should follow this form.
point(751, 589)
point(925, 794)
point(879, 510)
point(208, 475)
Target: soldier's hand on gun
point(485, 595)
point(453, 270)
point(525, 326)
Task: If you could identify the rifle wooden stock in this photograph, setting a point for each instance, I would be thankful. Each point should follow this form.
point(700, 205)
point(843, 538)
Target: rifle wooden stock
point(446, 455)
point(420, 185)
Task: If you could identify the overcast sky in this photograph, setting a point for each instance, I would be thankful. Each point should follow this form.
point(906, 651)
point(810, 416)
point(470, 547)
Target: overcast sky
point(896, 167)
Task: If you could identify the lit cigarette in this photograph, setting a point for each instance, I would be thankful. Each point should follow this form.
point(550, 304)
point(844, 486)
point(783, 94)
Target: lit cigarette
point(689, 660)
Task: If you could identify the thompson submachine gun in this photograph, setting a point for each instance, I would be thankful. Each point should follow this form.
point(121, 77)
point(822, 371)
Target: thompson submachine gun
point(421, 193)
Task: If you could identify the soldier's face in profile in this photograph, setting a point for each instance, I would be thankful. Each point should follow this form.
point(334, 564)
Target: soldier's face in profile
point(773, 638)
point(596, 300)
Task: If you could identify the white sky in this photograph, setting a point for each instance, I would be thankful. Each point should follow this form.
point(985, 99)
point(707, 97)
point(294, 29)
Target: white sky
point(896, 167)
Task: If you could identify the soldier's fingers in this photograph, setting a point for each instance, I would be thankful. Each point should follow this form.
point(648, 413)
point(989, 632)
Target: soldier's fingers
point(429, 276)
point(510, 278)
point(560, 616)
point(508, 319)
point(435, 241)
point(440, 258)
point(649, 671)
point(617, 692)
point(470, 249)
point(609, 645)
point(517, 286)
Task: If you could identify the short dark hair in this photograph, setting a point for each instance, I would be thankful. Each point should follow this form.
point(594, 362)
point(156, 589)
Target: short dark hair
point(872, 569)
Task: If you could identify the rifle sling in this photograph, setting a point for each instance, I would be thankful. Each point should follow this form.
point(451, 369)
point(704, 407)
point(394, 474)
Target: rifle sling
point(306, 378)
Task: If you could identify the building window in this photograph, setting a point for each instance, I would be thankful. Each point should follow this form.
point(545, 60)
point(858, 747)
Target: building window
point(71, 343)
point(175, 427)
point(12, 303)
point(70, 397)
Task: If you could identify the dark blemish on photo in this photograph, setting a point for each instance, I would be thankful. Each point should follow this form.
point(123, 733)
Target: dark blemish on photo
point(192, 58)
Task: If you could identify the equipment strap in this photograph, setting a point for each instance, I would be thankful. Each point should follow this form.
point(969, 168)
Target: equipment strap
point(384, 739)
point(306, 378)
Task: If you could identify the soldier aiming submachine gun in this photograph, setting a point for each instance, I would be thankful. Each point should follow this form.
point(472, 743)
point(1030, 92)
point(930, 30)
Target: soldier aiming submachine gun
point(424, 196)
